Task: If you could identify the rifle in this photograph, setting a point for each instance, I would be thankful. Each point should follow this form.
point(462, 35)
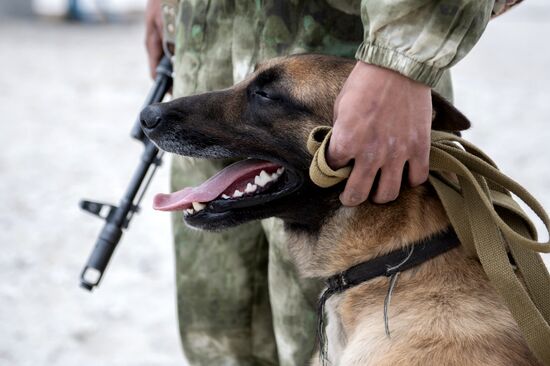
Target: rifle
point(117, 218)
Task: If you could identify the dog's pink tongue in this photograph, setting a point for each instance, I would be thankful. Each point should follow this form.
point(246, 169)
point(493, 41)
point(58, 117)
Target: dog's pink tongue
point(212, 188)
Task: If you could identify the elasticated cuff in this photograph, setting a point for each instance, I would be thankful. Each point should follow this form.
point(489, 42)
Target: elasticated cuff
point(386, 57)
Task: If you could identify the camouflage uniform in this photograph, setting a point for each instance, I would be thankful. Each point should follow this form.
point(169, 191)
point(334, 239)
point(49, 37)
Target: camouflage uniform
point(240, 300)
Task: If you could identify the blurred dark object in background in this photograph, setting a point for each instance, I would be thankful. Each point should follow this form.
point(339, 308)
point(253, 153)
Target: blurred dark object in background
point(84, 11)
point(102, 11)
point(75, 13)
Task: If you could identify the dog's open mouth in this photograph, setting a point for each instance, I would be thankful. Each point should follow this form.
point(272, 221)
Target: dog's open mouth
point(244, 184)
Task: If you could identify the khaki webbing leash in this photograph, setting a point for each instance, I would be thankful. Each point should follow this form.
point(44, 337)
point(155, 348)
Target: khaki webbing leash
point(489, 223)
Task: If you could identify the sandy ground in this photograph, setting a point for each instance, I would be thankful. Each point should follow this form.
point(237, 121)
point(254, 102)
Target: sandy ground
point(68, 98)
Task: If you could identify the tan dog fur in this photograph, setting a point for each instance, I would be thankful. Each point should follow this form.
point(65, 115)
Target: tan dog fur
point(443, 312)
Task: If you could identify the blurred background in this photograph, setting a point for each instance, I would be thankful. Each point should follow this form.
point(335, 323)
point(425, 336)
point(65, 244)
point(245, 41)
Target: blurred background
point(69, 93)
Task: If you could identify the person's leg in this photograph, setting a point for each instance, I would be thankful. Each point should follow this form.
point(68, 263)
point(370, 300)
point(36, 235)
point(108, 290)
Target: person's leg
point(223, 303)
point(223, 300)
point(293, 301)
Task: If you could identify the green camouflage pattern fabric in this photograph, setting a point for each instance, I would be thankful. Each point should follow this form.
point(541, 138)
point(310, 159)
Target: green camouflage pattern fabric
point(240, 299)
point(420, 39)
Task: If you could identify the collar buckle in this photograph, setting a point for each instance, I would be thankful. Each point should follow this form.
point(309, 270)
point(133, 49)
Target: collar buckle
point(338, 282)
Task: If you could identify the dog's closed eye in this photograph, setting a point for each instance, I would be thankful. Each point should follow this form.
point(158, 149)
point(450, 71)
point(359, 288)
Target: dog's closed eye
point(265, 95)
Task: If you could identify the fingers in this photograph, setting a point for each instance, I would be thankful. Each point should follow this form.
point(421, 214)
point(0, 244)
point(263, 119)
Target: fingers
point(153, 44)
point(418, 170)
point(153, 34)
point(359, 185)
point(419, 162)
point(389, 159)
point(390, 182)
point(360, 182)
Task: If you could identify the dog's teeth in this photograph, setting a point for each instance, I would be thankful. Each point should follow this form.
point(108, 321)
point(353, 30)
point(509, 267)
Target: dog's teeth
point(262, 179)
point(198, 206)
point(275, 176)
point(257, 181)
point(250, 188)
point(280, 170)
point(225, 197)
point(238, 193)
point(188, 212)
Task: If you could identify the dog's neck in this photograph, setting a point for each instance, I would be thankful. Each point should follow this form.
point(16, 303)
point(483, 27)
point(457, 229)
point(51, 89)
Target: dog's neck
point(352, 235)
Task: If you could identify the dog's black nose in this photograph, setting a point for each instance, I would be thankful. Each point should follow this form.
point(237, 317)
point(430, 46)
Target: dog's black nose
point(151, 116)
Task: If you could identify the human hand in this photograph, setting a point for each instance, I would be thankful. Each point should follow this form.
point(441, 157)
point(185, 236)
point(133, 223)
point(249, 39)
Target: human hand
point(153, 34)
point(382, 120)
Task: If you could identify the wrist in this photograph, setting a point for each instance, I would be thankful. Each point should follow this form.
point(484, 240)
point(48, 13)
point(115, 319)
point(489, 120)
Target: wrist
point(377, 71)
point(386, 56)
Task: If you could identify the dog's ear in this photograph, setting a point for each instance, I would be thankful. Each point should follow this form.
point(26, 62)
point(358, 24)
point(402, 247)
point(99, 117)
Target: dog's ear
point(447, 117)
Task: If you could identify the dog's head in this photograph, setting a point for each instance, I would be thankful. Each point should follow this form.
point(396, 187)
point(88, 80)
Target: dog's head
point(263, 123)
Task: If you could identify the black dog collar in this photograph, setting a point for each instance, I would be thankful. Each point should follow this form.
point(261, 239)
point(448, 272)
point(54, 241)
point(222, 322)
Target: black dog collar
point(393, 262)
point(387, 265)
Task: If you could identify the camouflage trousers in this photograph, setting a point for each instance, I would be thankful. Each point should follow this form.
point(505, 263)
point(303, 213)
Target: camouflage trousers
point(240, 299)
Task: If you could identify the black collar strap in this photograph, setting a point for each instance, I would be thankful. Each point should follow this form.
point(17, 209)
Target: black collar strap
point(387, 265)
point(393, 262)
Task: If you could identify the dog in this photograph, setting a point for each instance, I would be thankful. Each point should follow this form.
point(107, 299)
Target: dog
point(443, 311)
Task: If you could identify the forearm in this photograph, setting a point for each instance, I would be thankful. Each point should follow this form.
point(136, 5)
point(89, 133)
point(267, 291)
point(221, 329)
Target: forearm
point(421, 39)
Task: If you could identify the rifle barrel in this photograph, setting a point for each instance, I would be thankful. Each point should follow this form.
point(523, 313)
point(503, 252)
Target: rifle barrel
point(119, 217)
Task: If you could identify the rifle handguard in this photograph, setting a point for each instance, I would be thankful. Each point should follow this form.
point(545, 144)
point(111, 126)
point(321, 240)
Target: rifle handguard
point(117, 218)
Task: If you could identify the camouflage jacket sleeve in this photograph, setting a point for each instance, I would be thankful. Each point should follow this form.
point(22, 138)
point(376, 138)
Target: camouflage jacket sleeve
point(420, 39)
